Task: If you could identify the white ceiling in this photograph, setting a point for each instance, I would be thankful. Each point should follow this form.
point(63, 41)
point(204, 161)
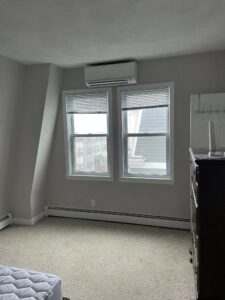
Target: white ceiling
point(76, 32)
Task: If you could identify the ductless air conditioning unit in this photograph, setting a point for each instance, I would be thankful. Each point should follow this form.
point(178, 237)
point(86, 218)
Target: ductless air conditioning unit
point(111, 74)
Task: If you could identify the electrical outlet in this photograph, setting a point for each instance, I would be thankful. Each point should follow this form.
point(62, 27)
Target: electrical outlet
point(92, 203)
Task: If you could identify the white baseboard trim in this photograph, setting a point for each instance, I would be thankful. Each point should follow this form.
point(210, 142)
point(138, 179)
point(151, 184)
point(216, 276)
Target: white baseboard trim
point(157, 221)
point(21, 221)
point(29, 222)
point(37, 218)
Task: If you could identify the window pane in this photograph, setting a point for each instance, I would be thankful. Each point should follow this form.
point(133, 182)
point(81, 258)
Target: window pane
point(147, 155)
point(90, 154)
point(90, 123)
point(151, 120)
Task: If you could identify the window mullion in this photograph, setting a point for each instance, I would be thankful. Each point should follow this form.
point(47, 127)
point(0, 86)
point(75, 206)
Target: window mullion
point(125, 142)
point(145, 134)
point(72, 152)
point(90, 135)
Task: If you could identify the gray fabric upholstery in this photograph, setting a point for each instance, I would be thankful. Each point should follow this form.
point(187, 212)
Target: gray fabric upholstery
point(18, 283)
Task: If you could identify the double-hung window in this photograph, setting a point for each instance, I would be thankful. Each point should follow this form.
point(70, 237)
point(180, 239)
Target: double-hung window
point(87, 120)
point(146, 141)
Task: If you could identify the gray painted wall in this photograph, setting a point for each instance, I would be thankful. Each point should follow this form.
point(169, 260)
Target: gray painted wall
point(11, 84)
point(192, 74)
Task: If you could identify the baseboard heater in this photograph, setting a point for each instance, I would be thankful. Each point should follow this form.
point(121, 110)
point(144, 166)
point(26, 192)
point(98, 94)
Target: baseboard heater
point(5, 221)
point(121, 217)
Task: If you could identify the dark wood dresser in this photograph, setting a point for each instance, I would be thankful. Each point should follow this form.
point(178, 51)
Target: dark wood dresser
point(208, 225)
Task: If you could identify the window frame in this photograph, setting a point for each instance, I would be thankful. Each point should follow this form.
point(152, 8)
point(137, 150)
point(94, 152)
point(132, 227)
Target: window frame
point(123, 164)
point(69, 135)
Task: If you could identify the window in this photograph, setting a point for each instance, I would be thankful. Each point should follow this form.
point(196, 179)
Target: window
point(88, 132)
point(146, 132)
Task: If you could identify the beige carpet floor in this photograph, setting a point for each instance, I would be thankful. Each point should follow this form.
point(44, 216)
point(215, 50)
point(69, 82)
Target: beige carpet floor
point(104, 261)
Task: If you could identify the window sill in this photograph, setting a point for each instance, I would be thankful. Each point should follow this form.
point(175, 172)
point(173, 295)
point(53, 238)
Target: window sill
point(89, 177)
point(167, 180)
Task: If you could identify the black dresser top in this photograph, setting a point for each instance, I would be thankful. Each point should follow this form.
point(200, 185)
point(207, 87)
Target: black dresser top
point(202, 155)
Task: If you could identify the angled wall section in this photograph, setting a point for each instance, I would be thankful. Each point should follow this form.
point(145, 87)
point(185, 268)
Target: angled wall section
point(45, 140)
point(36, 128)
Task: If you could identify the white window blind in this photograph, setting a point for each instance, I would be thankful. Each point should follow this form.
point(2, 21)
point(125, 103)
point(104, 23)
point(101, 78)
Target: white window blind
point(87, 103)
point(146, 98)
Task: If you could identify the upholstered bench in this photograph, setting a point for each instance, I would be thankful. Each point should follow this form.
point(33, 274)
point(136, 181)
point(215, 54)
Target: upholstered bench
point(18, 283)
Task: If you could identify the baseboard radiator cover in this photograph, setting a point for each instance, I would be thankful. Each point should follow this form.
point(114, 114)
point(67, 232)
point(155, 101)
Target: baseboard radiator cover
point(120, 217)
point(5, 221)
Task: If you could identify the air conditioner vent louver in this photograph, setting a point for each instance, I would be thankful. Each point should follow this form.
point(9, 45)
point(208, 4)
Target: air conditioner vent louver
point(111, 74)
point(106, 82)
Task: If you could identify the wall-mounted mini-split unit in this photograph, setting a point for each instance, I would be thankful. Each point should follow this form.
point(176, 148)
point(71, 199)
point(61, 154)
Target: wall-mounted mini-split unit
point(111, 74)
